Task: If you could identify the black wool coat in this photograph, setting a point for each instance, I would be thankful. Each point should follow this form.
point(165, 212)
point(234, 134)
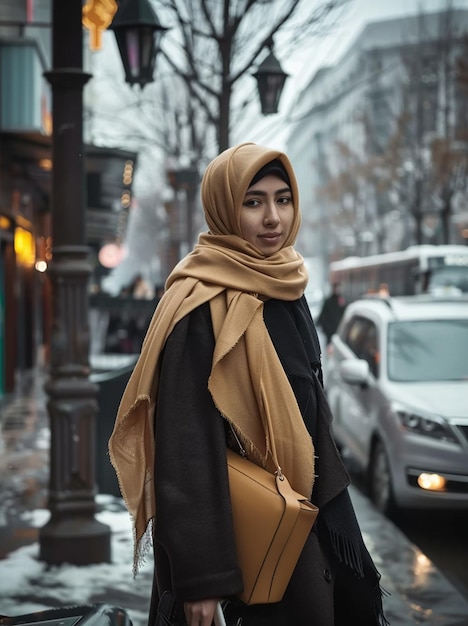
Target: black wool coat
point(335, 581)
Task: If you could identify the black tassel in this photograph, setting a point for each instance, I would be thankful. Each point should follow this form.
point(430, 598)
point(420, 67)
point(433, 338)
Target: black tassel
point(348, 551)
point(377, 597)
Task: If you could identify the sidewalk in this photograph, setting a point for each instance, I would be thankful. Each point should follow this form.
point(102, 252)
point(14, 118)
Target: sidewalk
point(419, 593)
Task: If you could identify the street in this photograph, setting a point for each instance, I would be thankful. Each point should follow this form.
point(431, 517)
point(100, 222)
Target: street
point(418, 591)
point(443, 537)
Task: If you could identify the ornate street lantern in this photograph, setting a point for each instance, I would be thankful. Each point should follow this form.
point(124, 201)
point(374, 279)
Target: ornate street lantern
point(138, 32)
point(270, 79)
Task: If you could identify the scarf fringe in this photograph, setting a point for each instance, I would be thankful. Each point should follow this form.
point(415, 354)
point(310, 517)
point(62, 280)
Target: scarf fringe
point(348, 551)
point(141, 547)
point(377, 602)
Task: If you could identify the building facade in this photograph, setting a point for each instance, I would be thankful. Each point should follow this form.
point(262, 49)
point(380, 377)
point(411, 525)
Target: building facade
point(380, 140)
point(26, 169)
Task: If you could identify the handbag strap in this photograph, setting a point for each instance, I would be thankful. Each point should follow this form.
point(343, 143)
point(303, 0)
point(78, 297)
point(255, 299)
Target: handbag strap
point(243, 453)
point(279, 472)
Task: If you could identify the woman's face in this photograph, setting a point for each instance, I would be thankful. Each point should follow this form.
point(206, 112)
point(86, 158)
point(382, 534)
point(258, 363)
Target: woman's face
point(267, 214)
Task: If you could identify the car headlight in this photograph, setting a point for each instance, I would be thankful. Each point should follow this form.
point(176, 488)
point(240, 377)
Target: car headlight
point(424, 424)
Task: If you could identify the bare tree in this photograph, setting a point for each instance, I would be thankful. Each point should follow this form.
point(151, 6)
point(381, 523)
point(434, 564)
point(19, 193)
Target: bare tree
point(417, 165)
point(203, 85)
point(345, 191)
point(449, 147)
point(219, 42)
point(204, 69)
point(433, 152)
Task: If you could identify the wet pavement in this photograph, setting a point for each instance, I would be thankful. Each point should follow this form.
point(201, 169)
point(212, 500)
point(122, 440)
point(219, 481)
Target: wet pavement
point(418, 592)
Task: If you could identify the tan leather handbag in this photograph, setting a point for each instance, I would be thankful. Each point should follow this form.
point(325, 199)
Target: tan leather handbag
point(271, 525)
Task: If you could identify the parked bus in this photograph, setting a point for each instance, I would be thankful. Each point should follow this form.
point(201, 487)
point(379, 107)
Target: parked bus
point(419, 269)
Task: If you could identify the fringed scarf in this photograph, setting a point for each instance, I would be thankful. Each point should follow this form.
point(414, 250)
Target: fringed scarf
point(247, 381)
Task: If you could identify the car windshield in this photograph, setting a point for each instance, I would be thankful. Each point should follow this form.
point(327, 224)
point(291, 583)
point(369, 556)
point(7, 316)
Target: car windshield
point(428, 350)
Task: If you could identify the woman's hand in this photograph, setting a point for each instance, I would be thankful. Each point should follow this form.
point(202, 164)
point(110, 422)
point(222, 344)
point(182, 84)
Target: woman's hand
point(200, 613)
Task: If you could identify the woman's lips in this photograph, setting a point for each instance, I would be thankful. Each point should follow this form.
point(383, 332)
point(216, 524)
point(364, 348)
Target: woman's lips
point(270, 237)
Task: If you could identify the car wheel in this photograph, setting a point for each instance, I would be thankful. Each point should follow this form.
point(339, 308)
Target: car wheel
point(380, 481)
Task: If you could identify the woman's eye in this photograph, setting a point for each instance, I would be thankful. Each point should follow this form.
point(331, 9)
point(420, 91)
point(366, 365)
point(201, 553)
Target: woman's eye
point(251, 202)
point(285, 200)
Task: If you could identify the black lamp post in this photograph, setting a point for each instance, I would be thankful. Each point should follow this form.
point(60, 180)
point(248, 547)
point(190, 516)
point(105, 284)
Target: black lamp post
point(270, 79)
point(72, 534)
point(138, 32)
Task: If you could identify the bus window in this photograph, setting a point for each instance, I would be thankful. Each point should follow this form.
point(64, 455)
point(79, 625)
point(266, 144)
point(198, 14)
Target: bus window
point(448, 280)
point(419, 269)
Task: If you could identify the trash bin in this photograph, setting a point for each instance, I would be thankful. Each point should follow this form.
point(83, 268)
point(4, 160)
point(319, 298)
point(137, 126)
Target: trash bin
point(111, 385)
point(86, 615)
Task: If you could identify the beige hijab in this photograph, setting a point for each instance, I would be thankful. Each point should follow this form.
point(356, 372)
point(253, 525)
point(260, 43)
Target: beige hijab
point(247, 381)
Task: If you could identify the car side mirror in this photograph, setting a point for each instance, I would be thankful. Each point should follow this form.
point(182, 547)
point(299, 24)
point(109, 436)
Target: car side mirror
point(354, 371)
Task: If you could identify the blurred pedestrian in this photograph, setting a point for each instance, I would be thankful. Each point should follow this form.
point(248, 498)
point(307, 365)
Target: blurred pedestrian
point(231, 346)
point(332, 312)
point(141, 289)
point(384, 290)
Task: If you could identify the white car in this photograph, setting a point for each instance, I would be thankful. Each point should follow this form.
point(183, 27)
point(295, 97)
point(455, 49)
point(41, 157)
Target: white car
point(396, 376)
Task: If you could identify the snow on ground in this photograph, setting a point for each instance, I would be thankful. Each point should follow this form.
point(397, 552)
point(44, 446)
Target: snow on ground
point(28, 585)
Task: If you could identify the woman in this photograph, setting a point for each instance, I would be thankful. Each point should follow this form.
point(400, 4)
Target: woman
point(231, 339)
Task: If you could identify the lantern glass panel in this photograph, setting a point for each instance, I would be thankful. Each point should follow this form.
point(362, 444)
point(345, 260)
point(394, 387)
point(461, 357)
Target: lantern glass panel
point(133, 52)
point(270, 88)
point(147, 48)
point(137, 46)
